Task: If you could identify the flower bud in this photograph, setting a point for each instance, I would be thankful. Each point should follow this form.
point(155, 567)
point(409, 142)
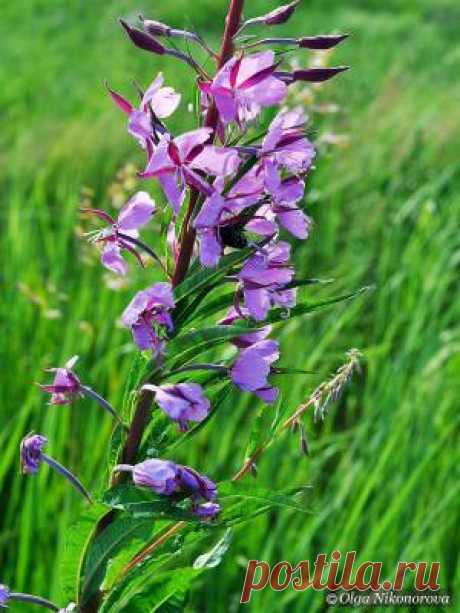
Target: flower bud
point(155, 28)
point(142, 39)
point(167, 478)
point(32, 456)
point(281, 14)
point(321, 42)
point(317, 75)
point(275, 17)
point(31, 453)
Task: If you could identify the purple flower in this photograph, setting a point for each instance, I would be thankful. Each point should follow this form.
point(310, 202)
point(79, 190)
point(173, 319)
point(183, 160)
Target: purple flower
point(66, 386)
point(245, 340)
point(148, 316)
point(158, 475)
point(31, 454)
point(219, 212)
point(158, 102)
point(244, 85)
point(175, 163)
point(4, 595)
point(264, 276)
point(167, 478)
point(122, 234)
point(252, 367)
point(182, 402)
point(207, 226)
point(208, 509)
point(285, 143)
point(282, 207)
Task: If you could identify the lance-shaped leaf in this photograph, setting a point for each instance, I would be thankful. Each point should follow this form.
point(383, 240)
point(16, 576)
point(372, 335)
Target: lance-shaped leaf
point(106, 545)
point(209, 276)
point(241, 502)
point(188, 346)
point(214, 556)
point(146, 591)
point(303, 308)
point(78, 538)
point(142, 504)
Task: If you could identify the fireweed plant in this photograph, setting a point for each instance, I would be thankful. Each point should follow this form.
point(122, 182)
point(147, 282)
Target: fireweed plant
point(231, 189)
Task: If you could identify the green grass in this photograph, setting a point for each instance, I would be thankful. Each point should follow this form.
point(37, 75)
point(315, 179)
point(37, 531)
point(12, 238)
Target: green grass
point(384, 465)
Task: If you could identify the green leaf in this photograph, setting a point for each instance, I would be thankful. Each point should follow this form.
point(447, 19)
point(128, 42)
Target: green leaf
point(303, 308)
point(106, 545)
point(244, 501)
point(76, 544)
point(140, 367)
point(207, 277)
point(260, 430)
point(142, 504)
point(143, 592)
point(214, 556)
point(183, 348)
point(218, 304)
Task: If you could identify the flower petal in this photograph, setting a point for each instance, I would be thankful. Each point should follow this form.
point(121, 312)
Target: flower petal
point(136, 212)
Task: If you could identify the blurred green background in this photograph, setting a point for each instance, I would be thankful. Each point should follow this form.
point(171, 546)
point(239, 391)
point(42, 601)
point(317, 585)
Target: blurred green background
point(385, 464)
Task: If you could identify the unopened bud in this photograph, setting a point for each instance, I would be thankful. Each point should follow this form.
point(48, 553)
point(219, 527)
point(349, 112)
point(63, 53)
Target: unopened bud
point(142, 39)
point(321, 42)
point(156, 28)
point(276, 17)
point(317, 75)
point(281, 14)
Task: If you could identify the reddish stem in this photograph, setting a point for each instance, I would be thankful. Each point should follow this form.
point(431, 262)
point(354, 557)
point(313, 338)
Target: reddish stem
point(232, 23)
point(141, 416)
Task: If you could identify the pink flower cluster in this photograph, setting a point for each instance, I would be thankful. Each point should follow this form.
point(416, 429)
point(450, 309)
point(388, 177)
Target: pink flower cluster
point(238, 192)
point(226, 189)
